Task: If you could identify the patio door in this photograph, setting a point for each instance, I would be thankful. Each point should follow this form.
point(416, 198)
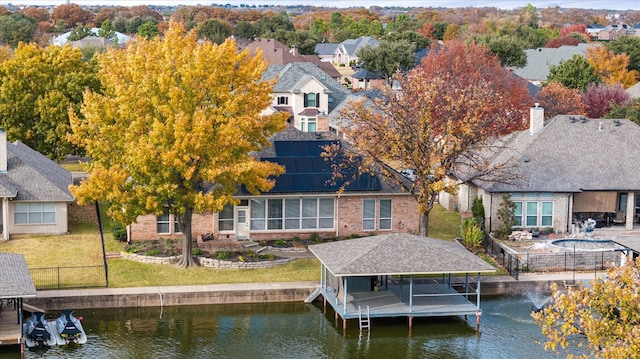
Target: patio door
point(242, 222)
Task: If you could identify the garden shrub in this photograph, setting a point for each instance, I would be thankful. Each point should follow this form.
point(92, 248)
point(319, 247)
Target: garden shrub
point(478, 211)
point(153, 252)
point(472, 234)
point(196, 251)
point(222, 255)
point(506, 217)
point(119, 231)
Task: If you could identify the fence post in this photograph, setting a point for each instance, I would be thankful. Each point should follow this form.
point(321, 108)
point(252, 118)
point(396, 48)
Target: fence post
point(58, 268)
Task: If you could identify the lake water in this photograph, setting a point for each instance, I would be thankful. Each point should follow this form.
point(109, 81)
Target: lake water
point(297, 330)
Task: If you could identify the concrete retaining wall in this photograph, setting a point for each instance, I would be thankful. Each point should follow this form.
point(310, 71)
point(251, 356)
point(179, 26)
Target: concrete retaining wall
point(208, 262)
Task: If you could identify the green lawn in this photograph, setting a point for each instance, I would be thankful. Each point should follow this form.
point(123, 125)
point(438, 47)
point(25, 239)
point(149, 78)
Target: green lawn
point(83, 247)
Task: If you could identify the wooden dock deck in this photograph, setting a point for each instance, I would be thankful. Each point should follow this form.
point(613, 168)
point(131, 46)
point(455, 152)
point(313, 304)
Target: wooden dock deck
point(10, 331)
point(429, 300)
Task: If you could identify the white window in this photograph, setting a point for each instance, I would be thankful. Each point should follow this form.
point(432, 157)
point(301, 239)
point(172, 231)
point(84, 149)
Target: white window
point(308, 124)
point(385, 214)
point(369, 214)
point(164, 222)
point(312, 100)
point(533, 209)
point(225, 218)
point(34, 213)
point(292, 213)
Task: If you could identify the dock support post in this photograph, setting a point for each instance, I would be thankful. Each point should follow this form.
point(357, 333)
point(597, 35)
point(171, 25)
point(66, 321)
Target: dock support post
point(478, 314)
point(324, 300)
point(410, 322)
point(344, 324)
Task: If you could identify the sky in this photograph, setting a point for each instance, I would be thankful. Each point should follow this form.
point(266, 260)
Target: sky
point(503, 4)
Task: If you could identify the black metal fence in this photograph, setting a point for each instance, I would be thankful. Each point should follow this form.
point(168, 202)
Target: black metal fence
point(565, 261)
point(69, 277)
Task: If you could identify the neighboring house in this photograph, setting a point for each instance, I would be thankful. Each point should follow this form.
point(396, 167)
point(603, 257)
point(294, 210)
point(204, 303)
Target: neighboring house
point(540, 60)
point(365, 80)
point(568, 169)
point(307, 93)
point(34, 191)
point(344, 53)
point(277, 53)
point(304, 201)
point(634, 91)
point(614, 31)
point(62, 40)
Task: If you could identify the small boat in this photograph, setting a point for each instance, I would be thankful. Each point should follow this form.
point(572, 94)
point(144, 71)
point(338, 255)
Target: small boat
point(38, 331)
point(68, 329)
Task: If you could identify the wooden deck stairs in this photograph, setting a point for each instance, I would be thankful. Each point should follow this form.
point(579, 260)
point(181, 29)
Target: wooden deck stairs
point(365, 322)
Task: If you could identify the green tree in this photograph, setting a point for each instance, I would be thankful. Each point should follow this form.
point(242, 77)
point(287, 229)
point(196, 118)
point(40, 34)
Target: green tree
point(602, 318)
point(214, 31)
point(79, 33)
point(575, 73)
point(16, 28)
point(107, 31)
point(412, 37)
point(37, 87)
point(245, 30)
point(506, 217)
point(630, 111)
point(388, 57)
point(148, 30)
point(508, 48)
point(629, 45)
point(174, 129)
point(451, 107)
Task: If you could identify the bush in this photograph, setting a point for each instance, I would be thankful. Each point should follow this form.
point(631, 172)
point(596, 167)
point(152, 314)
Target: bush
point(119, 231)
point(506, 217)
point(478, 211)
point(280, 243)
point(222, 255)
point(315, 238)
point(196, 251)
point(472, 234)
point(153, 252)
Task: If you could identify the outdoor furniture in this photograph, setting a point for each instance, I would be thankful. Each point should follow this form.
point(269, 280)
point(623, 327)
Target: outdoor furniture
point(621, 218)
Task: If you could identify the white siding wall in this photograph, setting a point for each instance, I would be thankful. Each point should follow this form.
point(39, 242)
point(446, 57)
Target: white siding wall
point(61, 227)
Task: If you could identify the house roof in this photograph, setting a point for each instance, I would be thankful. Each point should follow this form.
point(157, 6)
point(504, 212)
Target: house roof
point(292, 76)
point(571, 154)
point(326, 49)
point(540, 60)
point(31, 176)
point(308, 172)
point(352, 46)
point(397, 253)
point(634, 91)
point(61, 40)
point(276, 53)
point(365, 74)
point(15, 280)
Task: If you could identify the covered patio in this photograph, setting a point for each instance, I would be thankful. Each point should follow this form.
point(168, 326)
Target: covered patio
point(375, 277)
point(15, 284)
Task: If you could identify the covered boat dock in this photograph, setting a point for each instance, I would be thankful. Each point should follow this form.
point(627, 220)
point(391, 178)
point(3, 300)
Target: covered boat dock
point(375, 277)
point(15, 284)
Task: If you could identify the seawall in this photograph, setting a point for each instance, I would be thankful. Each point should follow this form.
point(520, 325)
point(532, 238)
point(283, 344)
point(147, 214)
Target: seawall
point(260, 292)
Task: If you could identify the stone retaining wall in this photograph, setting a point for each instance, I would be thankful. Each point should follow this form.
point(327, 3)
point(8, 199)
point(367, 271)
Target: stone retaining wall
point(208, 262)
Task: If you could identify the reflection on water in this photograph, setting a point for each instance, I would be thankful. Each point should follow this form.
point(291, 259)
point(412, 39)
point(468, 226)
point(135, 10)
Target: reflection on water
point(297, 330)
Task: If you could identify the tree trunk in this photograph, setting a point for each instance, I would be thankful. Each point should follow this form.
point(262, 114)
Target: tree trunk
point(424, 224)
point(184, 224)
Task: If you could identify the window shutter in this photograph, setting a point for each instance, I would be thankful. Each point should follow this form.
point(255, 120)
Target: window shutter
point(318, 99)
point(305, 100)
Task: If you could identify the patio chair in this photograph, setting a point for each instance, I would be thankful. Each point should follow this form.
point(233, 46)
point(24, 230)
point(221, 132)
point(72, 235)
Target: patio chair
point(620, 218)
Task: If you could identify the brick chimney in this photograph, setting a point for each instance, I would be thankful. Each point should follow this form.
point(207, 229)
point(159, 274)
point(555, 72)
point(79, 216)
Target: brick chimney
point(3, 151)
point(536, 119)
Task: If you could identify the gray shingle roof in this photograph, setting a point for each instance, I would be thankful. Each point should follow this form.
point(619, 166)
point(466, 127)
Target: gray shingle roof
point(634, 91)
point(15, 280)
point(33, 177)
point(540, 60)
point(572, 154)
point(353, 45)
point(397, 253)
point(326, 48)
point(292, 75)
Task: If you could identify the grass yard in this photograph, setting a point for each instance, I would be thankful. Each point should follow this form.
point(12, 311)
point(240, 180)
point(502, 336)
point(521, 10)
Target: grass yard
point(83, 247)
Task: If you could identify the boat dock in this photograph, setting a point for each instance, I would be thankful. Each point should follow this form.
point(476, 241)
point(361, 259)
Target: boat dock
point(10, 331)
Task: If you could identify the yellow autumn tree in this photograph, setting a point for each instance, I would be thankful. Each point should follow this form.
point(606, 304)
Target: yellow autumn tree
point(604, 318)
point(173, 129)
point(612, 68)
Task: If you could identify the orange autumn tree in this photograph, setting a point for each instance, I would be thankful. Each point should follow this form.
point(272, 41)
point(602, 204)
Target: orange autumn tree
point(173, 128)
point(449, 109)
point(612, 68)
point(559, 100)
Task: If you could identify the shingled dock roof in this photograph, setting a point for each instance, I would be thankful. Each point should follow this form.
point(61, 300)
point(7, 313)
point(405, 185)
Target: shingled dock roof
point(15, 280)
point(397, 254)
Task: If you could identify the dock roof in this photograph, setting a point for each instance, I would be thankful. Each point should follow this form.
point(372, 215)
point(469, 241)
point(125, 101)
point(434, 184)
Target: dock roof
point(397, 254)
point(15, 280)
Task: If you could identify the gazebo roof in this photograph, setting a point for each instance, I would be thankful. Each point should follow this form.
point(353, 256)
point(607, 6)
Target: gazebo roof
point(396, 254)
point(15, 280)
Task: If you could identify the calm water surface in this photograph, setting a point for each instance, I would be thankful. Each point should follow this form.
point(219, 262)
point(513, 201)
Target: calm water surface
point(297, 330)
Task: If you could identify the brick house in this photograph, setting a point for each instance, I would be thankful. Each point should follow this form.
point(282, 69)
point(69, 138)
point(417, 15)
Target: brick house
point(303, 202)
